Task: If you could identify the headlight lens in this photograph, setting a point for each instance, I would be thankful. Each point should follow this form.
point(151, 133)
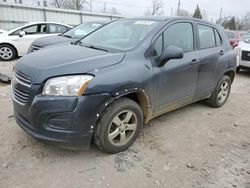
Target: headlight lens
point(66, 85)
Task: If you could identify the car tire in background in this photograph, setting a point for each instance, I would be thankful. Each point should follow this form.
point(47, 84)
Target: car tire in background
point(119, 126)
point(221, 93)
point(7, 52)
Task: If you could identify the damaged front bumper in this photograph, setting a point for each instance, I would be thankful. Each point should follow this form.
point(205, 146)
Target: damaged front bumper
point(65, 121)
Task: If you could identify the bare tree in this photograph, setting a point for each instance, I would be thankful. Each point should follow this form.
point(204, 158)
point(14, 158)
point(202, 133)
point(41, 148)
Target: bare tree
point(114, 11)
point(157, 8)
point(234, 23)
point(183, 12)
point(204, 15)
point(75, 4)
point(244, 22)
point(59, 3)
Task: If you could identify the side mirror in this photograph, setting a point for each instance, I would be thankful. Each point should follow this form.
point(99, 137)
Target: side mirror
point(21, 33)
point(247, 40)
point(171, 52)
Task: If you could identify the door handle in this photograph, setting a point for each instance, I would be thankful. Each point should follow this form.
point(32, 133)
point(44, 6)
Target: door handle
point(221, 52)
point(194, 61)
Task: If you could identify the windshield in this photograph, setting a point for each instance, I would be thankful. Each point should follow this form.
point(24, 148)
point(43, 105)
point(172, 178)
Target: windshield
point(82, 30)
point(121, 34)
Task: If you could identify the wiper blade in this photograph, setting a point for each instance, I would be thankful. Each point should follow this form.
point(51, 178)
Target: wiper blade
point(68, 36)
point(94, 47)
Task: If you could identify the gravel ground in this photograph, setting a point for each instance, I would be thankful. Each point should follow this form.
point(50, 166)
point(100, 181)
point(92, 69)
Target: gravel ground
point(195, 146)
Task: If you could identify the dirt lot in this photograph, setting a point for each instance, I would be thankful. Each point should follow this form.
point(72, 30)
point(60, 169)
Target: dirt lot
point(195, 146)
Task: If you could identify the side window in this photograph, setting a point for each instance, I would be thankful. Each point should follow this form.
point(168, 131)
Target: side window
point(32, 30)
point(180, 35)
point(218, 38)
point(206, 35)
point(158, 46)
point(54, 28)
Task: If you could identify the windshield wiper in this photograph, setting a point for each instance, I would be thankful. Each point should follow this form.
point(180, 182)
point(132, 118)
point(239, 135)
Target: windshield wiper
point(68, 36)
point(93, 47)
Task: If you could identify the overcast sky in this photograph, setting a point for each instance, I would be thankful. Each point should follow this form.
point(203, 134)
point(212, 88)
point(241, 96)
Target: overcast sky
point(212, 7)
point(138, 7)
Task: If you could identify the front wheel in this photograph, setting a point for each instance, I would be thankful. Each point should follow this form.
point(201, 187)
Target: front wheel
point(221, 93)
point(118, 126)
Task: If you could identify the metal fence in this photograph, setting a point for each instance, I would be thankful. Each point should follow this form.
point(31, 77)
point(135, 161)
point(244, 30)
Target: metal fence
point(12, 15)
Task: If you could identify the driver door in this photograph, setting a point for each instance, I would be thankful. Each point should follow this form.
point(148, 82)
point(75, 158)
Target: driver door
point(175, 82)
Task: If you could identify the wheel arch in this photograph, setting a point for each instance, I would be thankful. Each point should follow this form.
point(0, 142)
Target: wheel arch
point(141, 98)
point(231, 74)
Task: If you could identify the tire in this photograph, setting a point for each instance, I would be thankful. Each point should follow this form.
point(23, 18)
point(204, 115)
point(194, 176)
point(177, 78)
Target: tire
point(220, 95)
point(109, 136)
point(7, 52)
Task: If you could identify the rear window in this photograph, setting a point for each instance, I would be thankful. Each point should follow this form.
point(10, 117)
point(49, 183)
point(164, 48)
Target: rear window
point(206, 35)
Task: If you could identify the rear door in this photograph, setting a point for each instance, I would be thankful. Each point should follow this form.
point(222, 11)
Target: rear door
point(210, 52)
point(176, 80)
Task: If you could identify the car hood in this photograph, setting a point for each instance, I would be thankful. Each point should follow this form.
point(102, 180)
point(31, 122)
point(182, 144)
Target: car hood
point(244, 45)
point(64, 60)
point(51, 40)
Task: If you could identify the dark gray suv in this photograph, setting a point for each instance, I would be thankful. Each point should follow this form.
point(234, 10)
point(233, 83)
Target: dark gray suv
point(107, 85)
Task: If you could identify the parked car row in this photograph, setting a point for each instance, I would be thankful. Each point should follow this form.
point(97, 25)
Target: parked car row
point(105, 86)
point(17, 42)
point(241, 45)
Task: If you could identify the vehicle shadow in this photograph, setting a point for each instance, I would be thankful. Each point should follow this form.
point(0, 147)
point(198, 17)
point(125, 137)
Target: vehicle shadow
point(245, 73)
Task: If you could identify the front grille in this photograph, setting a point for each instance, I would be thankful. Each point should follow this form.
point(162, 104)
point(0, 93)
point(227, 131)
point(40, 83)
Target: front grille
point(245, 55)
point(20, 96)
point(20, 87)
point(22, 79)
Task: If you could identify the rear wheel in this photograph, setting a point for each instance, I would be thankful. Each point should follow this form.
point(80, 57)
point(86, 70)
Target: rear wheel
point(7, 52)
point(118, 126)
point(221, 93)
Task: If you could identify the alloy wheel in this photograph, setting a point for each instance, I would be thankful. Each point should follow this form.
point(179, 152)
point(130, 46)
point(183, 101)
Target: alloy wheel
point(122, 128)
point(223, 92)
point(6, 53)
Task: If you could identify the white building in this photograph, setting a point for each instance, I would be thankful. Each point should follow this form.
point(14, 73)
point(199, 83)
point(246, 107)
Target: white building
point(45, 3)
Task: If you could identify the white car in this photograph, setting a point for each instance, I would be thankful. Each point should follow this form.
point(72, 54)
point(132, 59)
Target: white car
point(244, 55)
point(2, 31)
point(16, 42)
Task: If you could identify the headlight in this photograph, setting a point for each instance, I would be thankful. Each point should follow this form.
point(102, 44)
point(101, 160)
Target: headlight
point(66, 85)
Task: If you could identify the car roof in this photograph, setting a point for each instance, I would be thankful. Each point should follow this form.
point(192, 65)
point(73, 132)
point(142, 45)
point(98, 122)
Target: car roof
point(164, 18)
point(30, 23)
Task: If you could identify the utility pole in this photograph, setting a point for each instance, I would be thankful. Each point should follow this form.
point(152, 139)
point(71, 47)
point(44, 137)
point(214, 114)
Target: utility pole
point(105, 7)
point(90, 5)
point(221, 13)
point(178, 9)
point(171, 11)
